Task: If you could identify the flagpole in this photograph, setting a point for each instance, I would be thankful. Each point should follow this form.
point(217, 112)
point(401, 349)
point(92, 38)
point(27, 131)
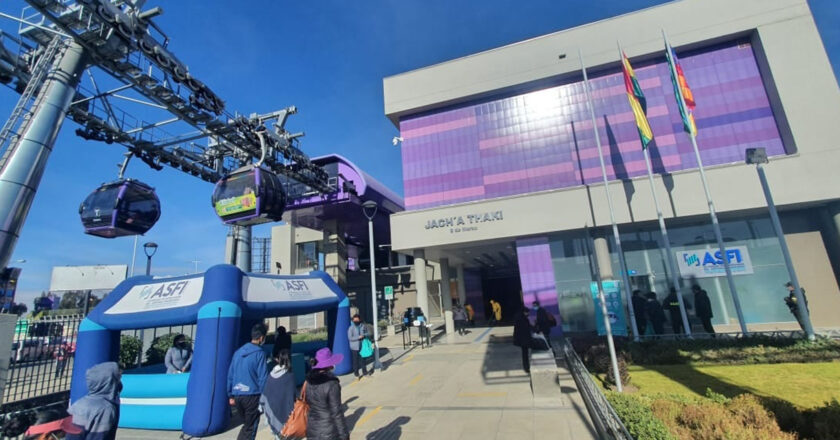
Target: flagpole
point(621, 261)
point(715, 224)
point(669, 257)
point(603, 300)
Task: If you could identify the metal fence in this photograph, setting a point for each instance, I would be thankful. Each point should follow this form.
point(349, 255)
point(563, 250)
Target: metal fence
point(604, 417)
point(41, 360)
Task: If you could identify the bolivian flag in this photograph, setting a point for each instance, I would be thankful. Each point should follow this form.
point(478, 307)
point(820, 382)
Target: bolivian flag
point(637, 102)
point(681, 89)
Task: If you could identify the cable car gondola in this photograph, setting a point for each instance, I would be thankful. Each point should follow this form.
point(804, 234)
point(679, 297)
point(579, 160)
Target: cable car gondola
point(249, 196)
point(120, 208)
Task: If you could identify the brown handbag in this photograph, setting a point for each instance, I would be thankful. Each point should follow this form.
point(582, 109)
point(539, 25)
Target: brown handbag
point(295, 427)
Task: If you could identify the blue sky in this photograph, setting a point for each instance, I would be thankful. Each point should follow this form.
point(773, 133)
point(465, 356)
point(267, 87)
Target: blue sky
point(326, 57)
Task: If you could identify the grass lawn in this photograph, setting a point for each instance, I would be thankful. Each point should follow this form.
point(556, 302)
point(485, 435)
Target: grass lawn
point(804, 385)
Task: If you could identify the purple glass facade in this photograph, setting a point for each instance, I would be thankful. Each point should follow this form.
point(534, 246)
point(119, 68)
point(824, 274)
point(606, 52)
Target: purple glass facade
point(544, 140)
point(536, 273)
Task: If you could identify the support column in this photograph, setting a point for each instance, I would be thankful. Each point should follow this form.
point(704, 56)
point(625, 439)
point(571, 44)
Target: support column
point(242, 236)
point(462, 289)
point(602, 254)
point(420, 282)
point(536, 273)
point(446, 300)
point(27, 160)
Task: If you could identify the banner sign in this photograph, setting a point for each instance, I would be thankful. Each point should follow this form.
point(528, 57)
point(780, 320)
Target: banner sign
point(257, 289)
point(237, 204)
point(704, 263)
point(159, 296)
point(615, 308)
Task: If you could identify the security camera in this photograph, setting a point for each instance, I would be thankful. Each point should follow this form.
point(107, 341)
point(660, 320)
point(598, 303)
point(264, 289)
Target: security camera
point(396, 140)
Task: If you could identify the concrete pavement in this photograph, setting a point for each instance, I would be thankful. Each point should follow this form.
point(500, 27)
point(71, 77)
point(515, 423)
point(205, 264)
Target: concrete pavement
point(470, 388)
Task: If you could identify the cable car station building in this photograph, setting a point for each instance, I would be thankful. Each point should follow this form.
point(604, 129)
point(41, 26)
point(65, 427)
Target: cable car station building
point(502, 178)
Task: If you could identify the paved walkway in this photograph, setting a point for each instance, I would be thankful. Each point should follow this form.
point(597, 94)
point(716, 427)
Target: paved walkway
point(471, 388)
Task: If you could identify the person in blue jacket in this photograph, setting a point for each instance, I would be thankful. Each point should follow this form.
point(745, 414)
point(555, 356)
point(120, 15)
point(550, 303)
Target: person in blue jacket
point(246, 379)
point(96, 415)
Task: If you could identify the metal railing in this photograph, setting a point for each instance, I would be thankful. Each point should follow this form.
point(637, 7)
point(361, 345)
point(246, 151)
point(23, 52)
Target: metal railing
point(604, 417)
point(41, 361)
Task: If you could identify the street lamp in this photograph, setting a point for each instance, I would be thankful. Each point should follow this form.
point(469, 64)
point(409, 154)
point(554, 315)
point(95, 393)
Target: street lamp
point(149, 248)
point(369, 209)
point(758, 157)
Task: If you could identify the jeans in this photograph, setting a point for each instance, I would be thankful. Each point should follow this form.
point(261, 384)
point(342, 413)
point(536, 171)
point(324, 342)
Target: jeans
point(358, 361)
point(249, 407)
point(707, 325)
point(526, 360)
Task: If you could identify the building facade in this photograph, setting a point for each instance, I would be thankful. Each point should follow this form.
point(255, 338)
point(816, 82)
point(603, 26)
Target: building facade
point(503, 183)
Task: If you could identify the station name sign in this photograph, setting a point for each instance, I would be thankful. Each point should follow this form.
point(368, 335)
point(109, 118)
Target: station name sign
point(464, 223)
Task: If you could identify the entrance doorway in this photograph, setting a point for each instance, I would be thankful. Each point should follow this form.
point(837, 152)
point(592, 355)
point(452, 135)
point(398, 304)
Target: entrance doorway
point(506, 290)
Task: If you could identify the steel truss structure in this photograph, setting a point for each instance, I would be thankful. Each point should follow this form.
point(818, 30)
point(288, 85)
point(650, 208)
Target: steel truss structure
point(119, 39)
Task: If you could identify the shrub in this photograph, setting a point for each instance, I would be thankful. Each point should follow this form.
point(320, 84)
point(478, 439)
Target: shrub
point(130, 347)
point(638, 417)
point(157, 352)
point(826, 420)
point(597, 360)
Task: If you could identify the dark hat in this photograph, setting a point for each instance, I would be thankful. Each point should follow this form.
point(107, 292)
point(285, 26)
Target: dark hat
point(788, 284)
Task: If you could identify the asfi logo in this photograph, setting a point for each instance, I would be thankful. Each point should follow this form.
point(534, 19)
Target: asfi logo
point(144, 294)
point(691, 259)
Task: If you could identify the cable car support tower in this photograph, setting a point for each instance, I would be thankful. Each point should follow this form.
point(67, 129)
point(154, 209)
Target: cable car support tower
point(60, 43)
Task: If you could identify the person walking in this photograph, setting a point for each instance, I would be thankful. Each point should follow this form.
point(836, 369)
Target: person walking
point(703, 308)
point(497, 311)
point(246, 379)
point(282, 341)
point(460, 317)
point(639, 311)
point(278, 397)
point(793, 305)
point(545, 320)
point(470, 314)
point(672, 304)
point(655, 314)
point(323, 394)
point(62, 353)
point(97, 414)
point(356, 333)
point(522, 330)
point(178, 358)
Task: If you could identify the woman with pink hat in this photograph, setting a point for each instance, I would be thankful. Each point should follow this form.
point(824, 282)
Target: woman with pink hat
point(323, 394)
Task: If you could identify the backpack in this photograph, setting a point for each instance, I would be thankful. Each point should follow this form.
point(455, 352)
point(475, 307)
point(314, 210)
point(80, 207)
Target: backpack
point(295, 427)
point(366, 350)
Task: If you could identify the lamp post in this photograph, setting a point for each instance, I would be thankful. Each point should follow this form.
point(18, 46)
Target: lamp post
point(758, 157)
point(369, 209)
point(149, 248)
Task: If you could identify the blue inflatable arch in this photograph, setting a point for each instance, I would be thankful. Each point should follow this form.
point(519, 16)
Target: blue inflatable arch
point(224, 303)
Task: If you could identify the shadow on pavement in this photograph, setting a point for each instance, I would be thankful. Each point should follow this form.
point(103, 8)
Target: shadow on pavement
point(352, 419)
point(502, 362)
point(391, 431)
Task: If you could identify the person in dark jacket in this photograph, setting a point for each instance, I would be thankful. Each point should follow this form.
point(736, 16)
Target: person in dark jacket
point(672, 304)
point(246, 379)
point(545, 320)
point(703, 308)
point(639, 311)
point(96, 415)
point(356, 333)
point(278, 397)
point(655, 314)
point(282, 341)
point(323, 394)
point(179, 356)
point(522, 337)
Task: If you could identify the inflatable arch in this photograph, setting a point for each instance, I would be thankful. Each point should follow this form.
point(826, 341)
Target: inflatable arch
point(224, 303)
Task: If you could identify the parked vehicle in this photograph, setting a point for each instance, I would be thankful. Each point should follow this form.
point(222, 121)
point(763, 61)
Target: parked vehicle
point(31, 349)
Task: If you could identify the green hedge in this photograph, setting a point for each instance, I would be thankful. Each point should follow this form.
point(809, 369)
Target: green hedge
point(130, 347)
point(638, 417)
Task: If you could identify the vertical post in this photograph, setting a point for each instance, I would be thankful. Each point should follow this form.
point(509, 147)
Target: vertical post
point(712, 214)
point(603, 300)
point(777, 226)
point(134, 254)
point(446, 300)
point(420, 283)
point(669, 258)
point(243, 248)
point(624, 279)
point(376, 362)
point(22, 172)
point(230, 246)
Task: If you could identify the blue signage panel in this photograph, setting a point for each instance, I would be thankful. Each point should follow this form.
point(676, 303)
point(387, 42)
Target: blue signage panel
point(615, 308)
